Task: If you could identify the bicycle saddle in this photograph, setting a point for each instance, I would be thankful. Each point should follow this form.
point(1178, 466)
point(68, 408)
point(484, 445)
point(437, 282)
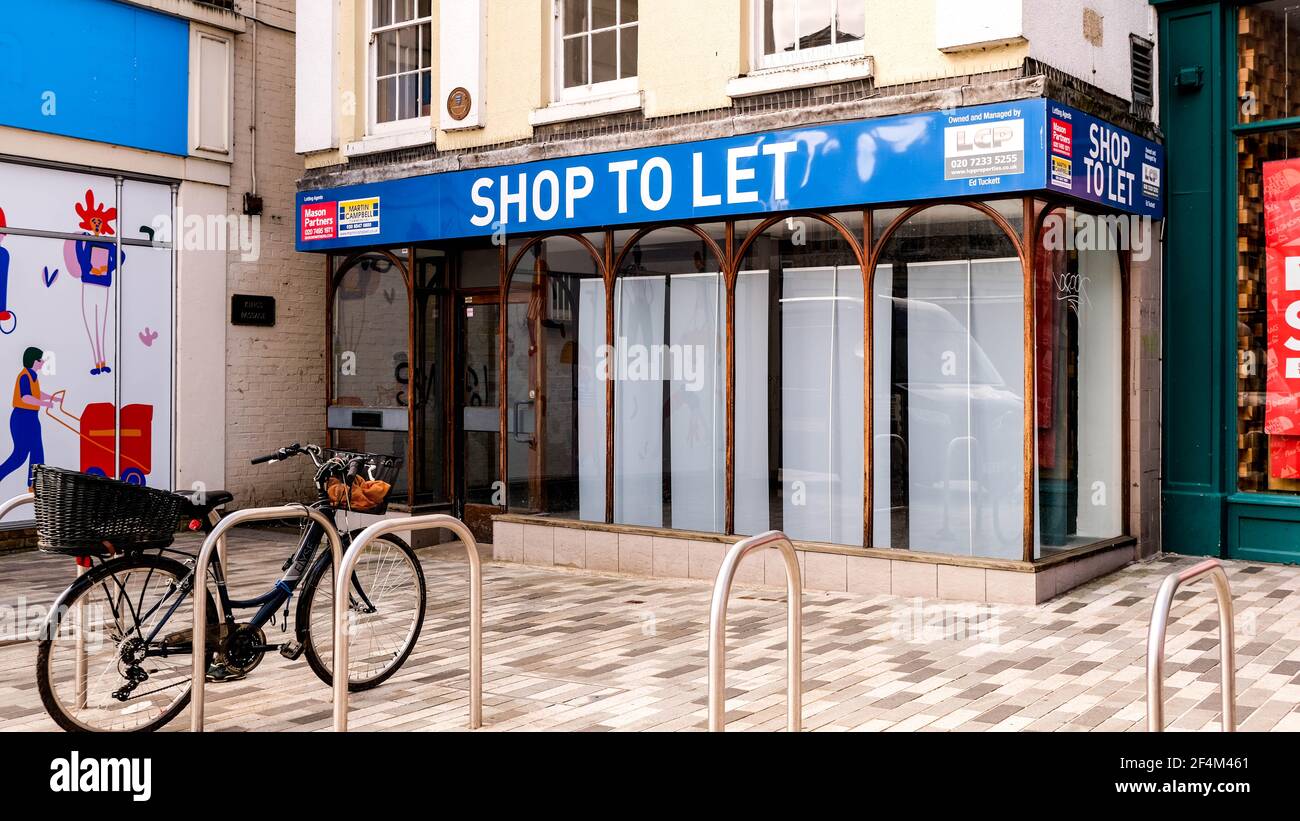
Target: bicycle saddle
point(203, 502)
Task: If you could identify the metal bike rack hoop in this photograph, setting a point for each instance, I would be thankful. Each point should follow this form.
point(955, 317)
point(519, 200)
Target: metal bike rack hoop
point(343, 579)
point(80, 671)
point(16, 502)
point(793, 629)
point(1156, 644)
point(217, 536)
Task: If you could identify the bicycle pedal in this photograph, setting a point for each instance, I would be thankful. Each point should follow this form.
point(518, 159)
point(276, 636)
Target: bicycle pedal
point(292, 650)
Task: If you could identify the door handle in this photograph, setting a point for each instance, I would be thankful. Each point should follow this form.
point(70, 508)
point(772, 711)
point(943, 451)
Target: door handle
point(528, 438)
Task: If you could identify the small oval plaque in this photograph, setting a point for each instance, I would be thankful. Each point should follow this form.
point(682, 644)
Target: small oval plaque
point(459, 103)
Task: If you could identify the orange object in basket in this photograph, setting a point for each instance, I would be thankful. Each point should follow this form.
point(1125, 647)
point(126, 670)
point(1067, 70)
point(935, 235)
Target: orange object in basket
point(365, 494)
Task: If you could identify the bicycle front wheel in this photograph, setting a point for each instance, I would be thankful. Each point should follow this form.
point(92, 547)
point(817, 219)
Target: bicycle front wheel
point(118, 655)
point(385, 606)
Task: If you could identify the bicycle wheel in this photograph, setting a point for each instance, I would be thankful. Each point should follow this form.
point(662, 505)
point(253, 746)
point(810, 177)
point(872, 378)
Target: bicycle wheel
point(116, 656)
point(385, 613)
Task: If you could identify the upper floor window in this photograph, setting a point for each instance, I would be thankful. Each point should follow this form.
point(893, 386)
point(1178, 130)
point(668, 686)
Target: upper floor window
point(597, 46)
point(802, 31)
point(401, 51)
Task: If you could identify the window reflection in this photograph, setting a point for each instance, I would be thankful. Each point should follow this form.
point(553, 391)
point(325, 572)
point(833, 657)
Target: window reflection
point(555, 403)
point(1079, 386)
point(948, 413)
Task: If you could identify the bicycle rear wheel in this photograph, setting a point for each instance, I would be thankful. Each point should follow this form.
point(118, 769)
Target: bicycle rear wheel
point(385, 613)
point(98, 670)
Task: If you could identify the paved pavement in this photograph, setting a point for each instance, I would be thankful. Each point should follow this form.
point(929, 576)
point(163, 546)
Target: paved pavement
point(597, 653)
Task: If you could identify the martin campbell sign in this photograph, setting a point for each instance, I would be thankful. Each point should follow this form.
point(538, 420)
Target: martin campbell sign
point(1008, 148)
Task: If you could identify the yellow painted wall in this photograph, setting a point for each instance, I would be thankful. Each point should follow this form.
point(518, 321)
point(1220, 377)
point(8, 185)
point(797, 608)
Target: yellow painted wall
point(901, 36)
point(689, 49)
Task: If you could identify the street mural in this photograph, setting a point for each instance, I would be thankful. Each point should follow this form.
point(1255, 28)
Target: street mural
point(61, 303)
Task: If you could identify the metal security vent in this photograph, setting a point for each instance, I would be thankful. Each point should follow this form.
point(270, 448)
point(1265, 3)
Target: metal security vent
point(1142, 54)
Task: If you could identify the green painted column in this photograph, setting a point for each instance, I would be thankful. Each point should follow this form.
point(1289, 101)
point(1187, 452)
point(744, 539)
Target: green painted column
point(1198, 294)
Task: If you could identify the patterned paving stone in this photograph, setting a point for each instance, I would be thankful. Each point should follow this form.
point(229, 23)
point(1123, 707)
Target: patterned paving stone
point(579, 652)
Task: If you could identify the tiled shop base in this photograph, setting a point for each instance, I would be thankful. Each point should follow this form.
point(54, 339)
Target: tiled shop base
point(547, 543)
point(571, 651)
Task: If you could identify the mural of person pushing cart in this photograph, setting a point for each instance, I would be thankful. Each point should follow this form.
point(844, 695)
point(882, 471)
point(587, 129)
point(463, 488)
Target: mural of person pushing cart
point(98, 428)
point(25, 420)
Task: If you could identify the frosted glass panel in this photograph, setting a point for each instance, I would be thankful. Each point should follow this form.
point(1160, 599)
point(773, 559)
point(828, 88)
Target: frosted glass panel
point(696, 402)
point(638, 403)
point(753, 479)
point(591, 401)
point(821, 394)
point(1101, 413)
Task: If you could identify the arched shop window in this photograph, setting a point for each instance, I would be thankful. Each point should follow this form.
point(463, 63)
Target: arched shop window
point(555, 409)
point(1079, 309)
point(948, 387)
point(371, 327)
point(668, 367)
point(799, 381)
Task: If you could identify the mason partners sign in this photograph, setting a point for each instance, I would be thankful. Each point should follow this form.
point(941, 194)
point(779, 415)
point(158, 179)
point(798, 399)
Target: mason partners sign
point(1007, 148)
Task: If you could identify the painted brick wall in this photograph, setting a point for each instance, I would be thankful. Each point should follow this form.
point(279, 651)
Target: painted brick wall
point(275, 377)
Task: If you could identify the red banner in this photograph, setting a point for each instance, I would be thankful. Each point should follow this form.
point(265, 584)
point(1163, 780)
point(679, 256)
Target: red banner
point(1282, 235)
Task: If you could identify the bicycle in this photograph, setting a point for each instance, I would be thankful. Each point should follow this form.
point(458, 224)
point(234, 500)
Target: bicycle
point(115, 654)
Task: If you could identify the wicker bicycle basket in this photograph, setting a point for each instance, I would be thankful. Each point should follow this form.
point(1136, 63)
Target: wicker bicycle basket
point(375, 472)
point(82, 515)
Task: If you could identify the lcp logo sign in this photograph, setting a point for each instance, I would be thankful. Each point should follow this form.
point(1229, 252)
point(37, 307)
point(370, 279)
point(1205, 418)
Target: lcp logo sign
point(984, 149)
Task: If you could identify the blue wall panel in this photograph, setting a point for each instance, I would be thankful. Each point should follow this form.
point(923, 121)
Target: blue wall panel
point(98, 70)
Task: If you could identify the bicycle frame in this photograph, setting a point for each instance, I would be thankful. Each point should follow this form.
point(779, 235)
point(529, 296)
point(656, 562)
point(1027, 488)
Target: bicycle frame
point(266, 604)
point(279, 595)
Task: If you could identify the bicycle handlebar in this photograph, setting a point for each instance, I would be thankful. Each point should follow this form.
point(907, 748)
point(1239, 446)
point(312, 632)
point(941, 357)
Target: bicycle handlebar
point(282, 454)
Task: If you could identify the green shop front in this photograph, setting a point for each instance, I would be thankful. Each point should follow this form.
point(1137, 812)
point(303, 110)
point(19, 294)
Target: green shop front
point(1231, 114)
point(623, 361)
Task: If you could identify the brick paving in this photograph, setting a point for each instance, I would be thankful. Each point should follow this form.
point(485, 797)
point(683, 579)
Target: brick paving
point(570, 652)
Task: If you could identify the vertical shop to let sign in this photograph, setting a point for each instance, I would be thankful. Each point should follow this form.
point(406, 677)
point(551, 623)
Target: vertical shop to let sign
point(1282, 236)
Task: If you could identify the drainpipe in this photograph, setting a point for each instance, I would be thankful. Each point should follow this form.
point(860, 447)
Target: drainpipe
point(117, 335)
point(176, 352)
point(252, 117)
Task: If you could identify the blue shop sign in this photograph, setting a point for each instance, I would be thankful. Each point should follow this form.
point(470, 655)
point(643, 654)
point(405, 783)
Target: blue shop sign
point(985, 151)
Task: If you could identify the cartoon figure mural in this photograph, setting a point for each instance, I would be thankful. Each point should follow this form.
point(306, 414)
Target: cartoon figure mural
point(94, 261)
point(25, 420)
point(8, 319)
point(62, 286)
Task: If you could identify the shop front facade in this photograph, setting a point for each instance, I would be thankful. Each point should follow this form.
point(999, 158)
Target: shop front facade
point(1232, 484)
point(622, 352)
